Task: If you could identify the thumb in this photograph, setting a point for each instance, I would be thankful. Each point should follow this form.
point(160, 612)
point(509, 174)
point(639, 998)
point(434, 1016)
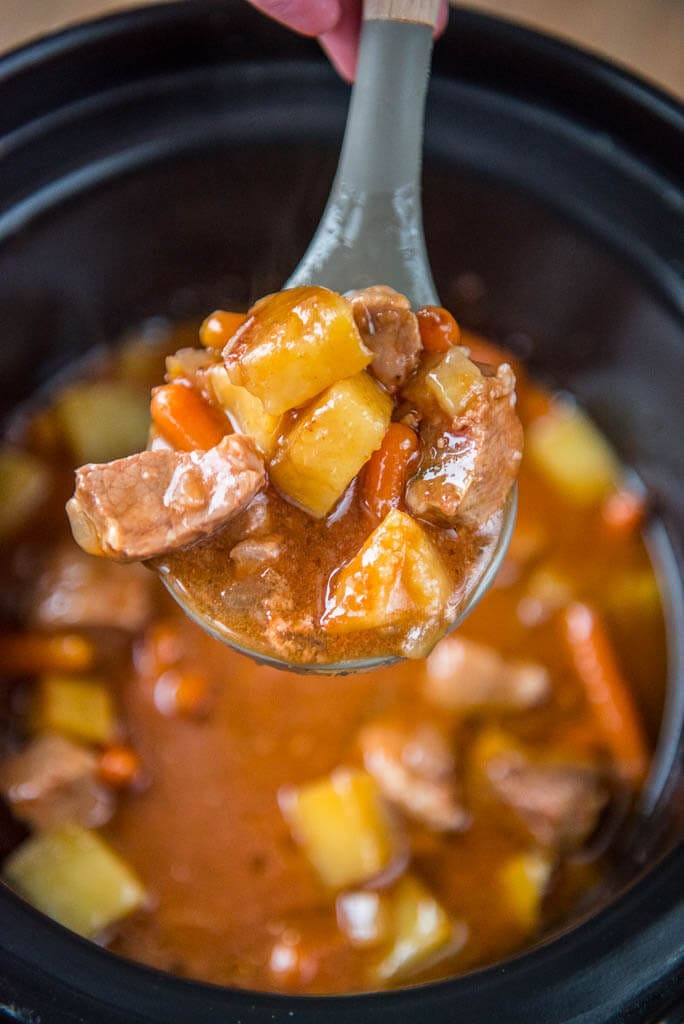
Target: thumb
point(310, 17)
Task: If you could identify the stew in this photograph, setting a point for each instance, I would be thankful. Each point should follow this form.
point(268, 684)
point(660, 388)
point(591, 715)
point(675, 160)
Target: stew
point(354, 510)
point(249, 827)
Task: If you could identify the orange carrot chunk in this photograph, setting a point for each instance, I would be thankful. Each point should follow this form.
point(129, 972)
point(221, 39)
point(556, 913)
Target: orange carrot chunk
point(33, 653)
point(606, 689)
point(220, 327)
point(388, 470)
point(438, 330)
point(119, 766)
point(185, 419)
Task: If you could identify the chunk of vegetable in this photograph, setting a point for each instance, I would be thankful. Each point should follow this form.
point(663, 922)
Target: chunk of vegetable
point(388, 469)
point(524, 880)
point(342, 825)
point(186, 420)
point(397, 573)
point(219, 328)
point(419, 926)
point(76, 707)
point(573, 456)
point(294, 345)
point(330, 443)
point(245, 412)
point(448, 382)
point(33, 653)
point(607, 690)
point(76, 878)
point(438, 330)
point(24, 485)
point(103, 421)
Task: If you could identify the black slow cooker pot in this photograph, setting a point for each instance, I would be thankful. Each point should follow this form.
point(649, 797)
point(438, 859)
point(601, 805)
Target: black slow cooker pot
point(177, 158)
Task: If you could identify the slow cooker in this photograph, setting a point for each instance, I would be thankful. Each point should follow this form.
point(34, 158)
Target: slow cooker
point(172, 159)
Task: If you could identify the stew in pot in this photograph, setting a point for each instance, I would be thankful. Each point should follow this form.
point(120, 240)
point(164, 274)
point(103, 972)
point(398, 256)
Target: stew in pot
point(240, 825)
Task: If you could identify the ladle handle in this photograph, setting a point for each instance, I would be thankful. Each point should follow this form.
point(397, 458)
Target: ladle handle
point(416, 12)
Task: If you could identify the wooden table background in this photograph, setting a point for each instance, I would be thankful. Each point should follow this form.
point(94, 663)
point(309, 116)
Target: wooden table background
point(645, 35)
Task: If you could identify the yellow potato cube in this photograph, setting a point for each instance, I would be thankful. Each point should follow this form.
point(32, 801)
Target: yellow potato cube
point(330, 443)
point(398, 573)
point(420, 928)
point(76, 878)
point(450, 381)
point(74, 706)
point(524, 880)
point(342, 825)
point(245, 412)
point(574, 457)
point(104, 420)
point(24, 485)
point(293, 345)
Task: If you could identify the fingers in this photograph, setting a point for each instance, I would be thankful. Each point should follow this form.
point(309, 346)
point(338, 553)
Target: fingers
point(442, 18)
point(310, 17)
point(341, 43)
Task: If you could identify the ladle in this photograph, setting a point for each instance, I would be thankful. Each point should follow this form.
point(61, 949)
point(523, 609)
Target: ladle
point(371, 231)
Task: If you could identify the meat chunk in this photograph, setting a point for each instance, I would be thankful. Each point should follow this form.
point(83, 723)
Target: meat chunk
point(470, 463)
point(53, 780)
point(390, 330)
point(466, 676)
point(415, 771)
point(559, 802)
point(76, 590)
point(157, 501)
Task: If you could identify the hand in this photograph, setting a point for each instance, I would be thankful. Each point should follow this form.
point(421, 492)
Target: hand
point(336, 23)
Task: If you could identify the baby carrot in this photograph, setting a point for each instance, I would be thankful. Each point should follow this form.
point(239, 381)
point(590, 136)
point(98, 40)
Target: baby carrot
point(33, 653)
point(606, 689)
point(220, 327)
point(185, 419)
point(438, 329)
point(119, 765)
point(388, 469)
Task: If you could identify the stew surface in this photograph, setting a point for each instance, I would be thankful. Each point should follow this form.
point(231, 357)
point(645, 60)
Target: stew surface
point(244, 826)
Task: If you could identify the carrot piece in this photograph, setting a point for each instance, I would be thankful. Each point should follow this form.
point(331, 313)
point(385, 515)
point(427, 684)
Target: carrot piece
point(388, 469)
point(118, 766)
point(185, 419)
point(623, 512)
point(220, 327)
point(438, 330)
point(606, 689)
point(33, 653)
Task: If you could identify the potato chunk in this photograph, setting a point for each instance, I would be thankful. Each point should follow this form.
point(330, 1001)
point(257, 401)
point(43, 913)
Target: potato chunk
point(397, 574)
point(76, 707)
point(568, 450)
point(330, 443)
point(449, 381)
point(24, 485)
point(74, 877)
point(293, 345)
point(420, 928)
point(104, 420)
point(245, 412)
point(342, 825)
point(524, 880)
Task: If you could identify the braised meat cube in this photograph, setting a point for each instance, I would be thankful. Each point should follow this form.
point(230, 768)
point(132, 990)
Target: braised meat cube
point(466, 676)
point(157, 501)
point(471, 461)
point(390, 330)
point(53, 780)
point(415, 771)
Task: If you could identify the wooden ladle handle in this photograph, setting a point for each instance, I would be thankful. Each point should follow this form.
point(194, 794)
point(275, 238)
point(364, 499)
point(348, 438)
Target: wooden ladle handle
point(416, 12)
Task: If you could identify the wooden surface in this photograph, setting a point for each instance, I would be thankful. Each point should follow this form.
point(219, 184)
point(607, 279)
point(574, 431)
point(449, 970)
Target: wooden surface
point(645, 35)
point(420, 12)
